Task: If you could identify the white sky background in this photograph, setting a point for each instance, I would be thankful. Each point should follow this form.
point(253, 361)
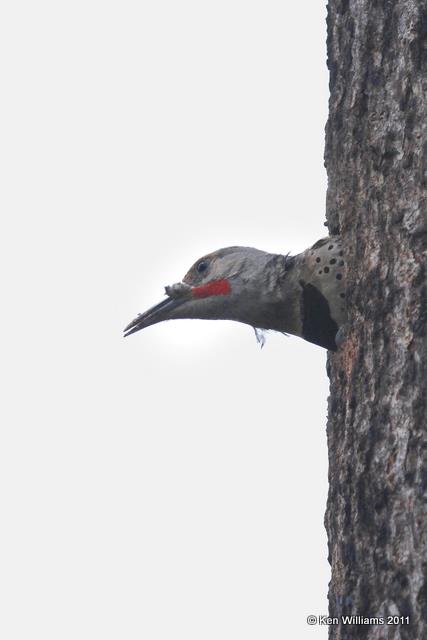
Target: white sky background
point(170, 485)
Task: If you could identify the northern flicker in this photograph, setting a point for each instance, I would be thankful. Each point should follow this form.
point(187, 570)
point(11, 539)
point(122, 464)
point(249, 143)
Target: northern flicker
point(303, 295)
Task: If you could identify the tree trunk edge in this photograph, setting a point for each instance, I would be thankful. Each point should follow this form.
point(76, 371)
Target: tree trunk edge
point(376, 158)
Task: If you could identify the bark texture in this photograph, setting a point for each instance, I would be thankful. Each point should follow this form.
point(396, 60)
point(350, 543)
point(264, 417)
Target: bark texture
point(376, 153)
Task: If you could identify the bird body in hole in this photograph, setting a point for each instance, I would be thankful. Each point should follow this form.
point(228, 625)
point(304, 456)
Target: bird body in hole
point(303, 295)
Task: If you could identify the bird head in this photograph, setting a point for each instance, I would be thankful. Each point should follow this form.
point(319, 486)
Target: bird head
point(235, 283)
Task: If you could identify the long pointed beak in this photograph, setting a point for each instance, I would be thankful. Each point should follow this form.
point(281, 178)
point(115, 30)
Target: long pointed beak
point(178, 294)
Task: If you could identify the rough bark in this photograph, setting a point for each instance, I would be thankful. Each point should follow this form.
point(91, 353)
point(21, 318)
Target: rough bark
point(376, 152)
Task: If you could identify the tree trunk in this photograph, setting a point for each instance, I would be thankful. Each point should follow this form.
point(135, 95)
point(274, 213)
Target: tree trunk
point(376, 151)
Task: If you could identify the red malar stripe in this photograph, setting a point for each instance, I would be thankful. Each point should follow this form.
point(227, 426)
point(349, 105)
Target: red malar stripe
point(215, 288)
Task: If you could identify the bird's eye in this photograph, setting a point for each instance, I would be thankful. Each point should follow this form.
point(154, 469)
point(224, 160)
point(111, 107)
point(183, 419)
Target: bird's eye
point(202, 266)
